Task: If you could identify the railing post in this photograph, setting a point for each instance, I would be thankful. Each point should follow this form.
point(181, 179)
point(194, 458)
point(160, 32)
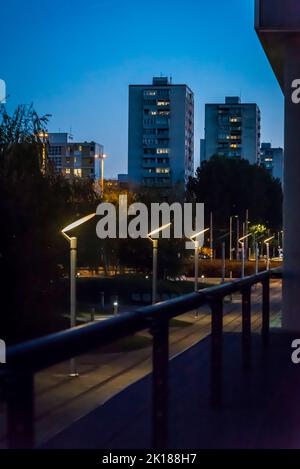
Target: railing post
point(160, 333)
point(19, 391)
point(216, 305)
point(265, 310)
point(246, 326)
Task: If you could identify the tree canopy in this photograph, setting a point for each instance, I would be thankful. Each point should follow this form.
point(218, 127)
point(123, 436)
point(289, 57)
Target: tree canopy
point(232, 186)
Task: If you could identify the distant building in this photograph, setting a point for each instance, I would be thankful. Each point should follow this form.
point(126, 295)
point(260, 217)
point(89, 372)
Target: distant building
point(272, 160)
point(161, 134)
point(74, 159)
point(232, 130)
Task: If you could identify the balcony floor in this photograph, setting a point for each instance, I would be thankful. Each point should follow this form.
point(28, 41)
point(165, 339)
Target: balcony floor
point(260, 407)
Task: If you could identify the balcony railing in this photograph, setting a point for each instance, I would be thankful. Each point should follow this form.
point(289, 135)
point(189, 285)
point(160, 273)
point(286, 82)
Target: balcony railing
point(23, 360)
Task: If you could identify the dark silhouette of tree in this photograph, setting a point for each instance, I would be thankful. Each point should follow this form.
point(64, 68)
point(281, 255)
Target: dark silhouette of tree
point(231, 186)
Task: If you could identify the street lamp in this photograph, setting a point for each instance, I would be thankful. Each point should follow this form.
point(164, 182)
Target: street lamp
point(242, 243)
point(196, 245)
point(154, 265)
point(102, 172)
point(44, 138)
point(267, 243)
point(230, 235)
point(73, 255)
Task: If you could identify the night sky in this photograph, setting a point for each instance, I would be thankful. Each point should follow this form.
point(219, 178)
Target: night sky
point(75, 59)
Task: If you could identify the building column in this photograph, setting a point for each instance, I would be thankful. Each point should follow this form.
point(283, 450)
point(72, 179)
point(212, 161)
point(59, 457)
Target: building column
point(291, 206)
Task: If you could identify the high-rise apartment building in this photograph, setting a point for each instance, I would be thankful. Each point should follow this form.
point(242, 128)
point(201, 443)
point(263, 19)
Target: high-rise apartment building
point(232, 130)
point(161, 134)
point(73, 159)
point(272, 159)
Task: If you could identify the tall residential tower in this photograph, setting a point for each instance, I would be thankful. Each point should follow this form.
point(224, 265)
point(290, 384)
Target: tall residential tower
point(161, 134)
point(232, 130)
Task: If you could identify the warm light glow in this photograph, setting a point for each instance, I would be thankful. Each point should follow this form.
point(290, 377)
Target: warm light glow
point(159, 229)
point(269, 239)
point(198, 234)
point(244, 237)
point(77, 223)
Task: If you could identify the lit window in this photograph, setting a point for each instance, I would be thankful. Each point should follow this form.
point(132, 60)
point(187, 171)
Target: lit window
point(162, 151)
point(68, 171)
point(163, 103)
point(233, 145)
point(149, 92)
point(77, 172)
point(163, 170)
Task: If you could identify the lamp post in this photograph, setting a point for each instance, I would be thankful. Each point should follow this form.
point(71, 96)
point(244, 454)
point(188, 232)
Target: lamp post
point(211, 238)
point(102, 172)
point(242, 243)
point(44, 138)
point(230, 235)
point(154, 261)
point(237, 237)
point(73, 260)
point(256, 258)
point(267, 243)
point(196, 258)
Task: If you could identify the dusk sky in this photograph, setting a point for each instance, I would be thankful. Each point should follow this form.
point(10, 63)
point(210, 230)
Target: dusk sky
point(75, 60)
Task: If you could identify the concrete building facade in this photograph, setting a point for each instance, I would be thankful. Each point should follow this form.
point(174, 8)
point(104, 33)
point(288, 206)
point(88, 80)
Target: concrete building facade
point(160, 134)
point(74, 159)
point(272, 159)
point(232, 130)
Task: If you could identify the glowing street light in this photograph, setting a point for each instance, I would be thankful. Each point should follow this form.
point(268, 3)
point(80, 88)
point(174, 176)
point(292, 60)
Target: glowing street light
point(102, 172)
point(242, 243)
point(154, 266)
point(73, 255)
point(267, 243)
point(44, 138)
point(196, 258)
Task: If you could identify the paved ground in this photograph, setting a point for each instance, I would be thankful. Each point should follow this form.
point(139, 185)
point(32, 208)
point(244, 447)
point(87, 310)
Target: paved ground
point(61, 401)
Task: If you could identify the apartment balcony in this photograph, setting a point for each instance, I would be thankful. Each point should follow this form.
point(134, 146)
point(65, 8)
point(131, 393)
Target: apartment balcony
point(230, 368)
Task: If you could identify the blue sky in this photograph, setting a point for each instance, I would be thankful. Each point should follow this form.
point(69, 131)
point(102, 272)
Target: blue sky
point(75, 59)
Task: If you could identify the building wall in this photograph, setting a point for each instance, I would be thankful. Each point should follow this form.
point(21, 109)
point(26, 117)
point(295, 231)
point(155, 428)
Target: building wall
point(160, 134)
point(74, 159)
point(272, 160)
point(232, 130)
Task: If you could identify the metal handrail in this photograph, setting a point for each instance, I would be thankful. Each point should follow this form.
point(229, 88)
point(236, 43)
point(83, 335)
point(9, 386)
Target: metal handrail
point(25, 359)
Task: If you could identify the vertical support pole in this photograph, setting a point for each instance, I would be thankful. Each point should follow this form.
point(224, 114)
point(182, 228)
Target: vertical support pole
point(73, 260)
point(102, 175)
point(160, 356)
point(237, 238)
point(246, 234)
point(243, 260)
point(223, 261)
point(154, 271)
point(211, 237)
point(268, 255)
point(246, 327)
point(20, 410)
point(216, 382)
point(256, 258)
point(196, 243)
point(265, 310)
point(230, 238)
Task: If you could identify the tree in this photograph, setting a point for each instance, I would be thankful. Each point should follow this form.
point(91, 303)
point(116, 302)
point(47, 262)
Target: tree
point(35, 205)
point(230, 186)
